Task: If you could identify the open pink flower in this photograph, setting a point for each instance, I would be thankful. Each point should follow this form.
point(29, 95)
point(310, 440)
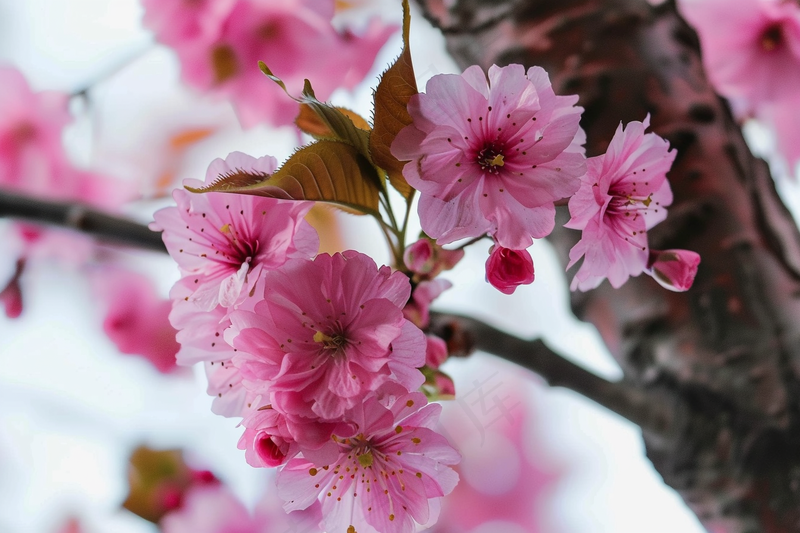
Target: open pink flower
point(200, 334)
point(491, 158)
point(751, 48)
point(508, 269)
point(177, 22)
point(388, 475)
point(328, 332)
point(673, 269)
point(136, 318)
point(32, 157)
point(625, 192)
point(222, 242)
point(294, 38)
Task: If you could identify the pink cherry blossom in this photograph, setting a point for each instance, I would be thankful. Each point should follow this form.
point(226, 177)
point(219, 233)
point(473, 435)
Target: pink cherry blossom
point(135, 317)
point(784, 118)
point(491, 158)
point(673, 269)
point(328, 332)
point(176, 22)
point(200, 334)
point(751, 48)
point(32, 157)
point(223, 242)
point(388, 476)
point(290, 36)
point(624, 193)
point(508, 269)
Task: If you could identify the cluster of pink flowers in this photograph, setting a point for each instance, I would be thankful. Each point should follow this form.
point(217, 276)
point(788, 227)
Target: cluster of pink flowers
point(494, 158)
point(313, 351)
point(751, 51)
point(321, 354)
point(219, 43)
point(33, 161)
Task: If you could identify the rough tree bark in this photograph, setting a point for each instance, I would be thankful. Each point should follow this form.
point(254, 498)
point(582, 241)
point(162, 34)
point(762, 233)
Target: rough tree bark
point(726, 354)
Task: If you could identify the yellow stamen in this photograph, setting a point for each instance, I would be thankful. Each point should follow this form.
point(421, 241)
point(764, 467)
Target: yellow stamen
point(321, 337)
point(497, 161)
point(365, 459)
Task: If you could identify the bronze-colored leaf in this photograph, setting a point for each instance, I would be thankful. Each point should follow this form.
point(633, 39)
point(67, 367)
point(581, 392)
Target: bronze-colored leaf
point(341, 126)
point(398, 84)
point(310, 122)
point(330, 123)
point(325, 171)
point(155, 477)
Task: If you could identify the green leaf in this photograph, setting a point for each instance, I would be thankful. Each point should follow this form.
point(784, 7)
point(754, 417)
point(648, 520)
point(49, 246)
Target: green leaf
point(324, 171)
point(398, 84)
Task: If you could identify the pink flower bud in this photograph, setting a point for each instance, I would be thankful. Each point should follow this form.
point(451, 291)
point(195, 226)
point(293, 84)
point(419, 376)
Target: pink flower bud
point(427, 259)
point(203, 477)
point(435, 351)
point(270, 453)
point(419, 257)
point(445, 386)
point(673, 269)
point(506, 269)
point(11, 296)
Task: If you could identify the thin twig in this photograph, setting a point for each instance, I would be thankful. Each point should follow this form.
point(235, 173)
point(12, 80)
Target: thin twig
point(464, 334)
point(82, 218)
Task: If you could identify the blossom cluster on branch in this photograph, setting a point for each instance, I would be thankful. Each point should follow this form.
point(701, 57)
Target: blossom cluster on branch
point(324, 356)
point(328, 359)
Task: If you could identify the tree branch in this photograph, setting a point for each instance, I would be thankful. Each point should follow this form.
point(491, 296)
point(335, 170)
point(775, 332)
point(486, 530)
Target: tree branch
point(463, 334)
point(80, 218)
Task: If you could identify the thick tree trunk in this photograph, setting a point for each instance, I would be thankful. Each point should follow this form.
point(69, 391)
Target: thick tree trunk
point(726, 354)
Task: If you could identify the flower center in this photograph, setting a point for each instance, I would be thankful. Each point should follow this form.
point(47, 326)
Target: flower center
point(335, 343)
point(490, 158)
point(772, 38)
point(240, 250)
